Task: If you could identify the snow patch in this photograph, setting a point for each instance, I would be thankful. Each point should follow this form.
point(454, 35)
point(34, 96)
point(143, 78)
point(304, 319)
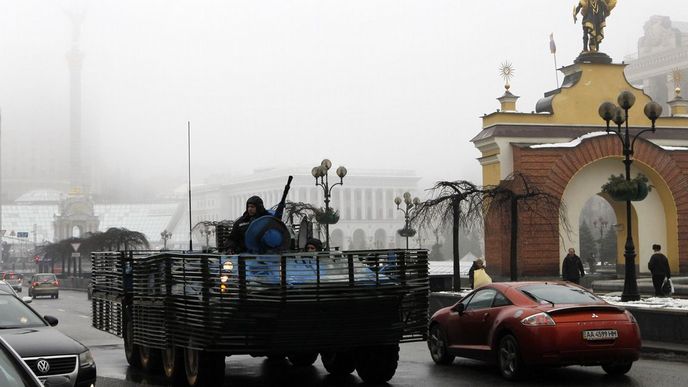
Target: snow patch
point(571, 144)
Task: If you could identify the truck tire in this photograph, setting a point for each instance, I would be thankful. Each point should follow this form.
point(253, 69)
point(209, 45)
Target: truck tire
point(173, 364)
point(304, 359)
point(203, 368)
point(377, 364)
point(131, 350)
point(150, 359)
point(338, 363)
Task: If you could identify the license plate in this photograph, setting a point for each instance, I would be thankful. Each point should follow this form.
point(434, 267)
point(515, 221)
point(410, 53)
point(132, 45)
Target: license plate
point(607, 334)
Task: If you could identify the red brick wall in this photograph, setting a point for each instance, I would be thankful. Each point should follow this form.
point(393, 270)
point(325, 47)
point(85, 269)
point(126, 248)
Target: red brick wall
point(551, 169)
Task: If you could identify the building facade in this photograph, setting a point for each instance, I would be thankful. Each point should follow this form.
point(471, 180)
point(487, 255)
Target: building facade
point(365, 201)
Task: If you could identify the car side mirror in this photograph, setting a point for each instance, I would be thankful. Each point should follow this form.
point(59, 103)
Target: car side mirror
point(458, 308)
point(51, 320)
point(27, 300)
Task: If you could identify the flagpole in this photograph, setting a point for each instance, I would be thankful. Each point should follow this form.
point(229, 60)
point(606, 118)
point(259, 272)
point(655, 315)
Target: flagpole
point(556, 72)
point(553, 50)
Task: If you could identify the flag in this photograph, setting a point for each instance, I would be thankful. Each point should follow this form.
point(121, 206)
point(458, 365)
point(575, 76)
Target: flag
point(552, 46)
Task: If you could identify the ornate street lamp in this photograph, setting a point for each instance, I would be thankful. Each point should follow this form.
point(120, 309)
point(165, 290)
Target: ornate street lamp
point(320, 173)
point(407, 231)
point(165, 235)
point(619, 114)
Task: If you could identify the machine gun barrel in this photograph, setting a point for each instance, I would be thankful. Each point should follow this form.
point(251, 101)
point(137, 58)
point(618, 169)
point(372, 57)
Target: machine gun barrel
point(280, 206)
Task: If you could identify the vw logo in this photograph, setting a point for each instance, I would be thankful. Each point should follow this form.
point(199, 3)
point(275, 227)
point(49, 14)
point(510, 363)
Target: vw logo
point(43, 366)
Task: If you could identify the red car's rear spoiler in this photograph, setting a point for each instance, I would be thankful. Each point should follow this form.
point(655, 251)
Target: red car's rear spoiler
point(577, 308)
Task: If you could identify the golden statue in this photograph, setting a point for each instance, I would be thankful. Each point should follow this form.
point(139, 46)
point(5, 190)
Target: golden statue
point(594, 14)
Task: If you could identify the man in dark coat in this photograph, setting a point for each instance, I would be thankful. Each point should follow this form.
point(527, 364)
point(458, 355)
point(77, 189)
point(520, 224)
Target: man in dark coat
point(254, 210)
point(572, 268)
point(471, 273)
point(659, 267)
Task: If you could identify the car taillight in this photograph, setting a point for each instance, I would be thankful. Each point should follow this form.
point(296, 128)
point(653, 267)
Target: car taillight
point(538, 319)
point(34, 284)
point(56, 283)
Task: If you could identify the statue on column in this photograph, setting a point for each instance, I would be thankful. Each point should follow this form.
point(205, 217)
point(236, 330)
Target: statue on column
point(594, 13)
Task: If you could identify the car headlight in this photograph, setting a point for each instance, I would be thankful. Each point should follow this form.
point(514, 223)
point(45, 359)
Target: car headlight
point(228, 266)
point(85, 359)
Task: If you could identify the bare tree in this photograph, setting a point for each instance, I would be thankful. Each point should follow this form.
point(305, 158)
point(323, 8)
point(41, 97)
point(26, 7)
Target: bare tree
point(456, 202)
point(517, 193)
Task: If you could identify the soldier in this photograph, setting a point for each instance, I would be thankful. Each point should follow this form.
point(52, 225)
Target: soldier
point(254, 210)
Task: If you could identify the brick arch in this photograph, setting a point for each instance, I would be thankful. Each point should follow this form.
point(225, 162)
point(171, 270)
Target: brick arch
point(666, 165)
point(596, 148)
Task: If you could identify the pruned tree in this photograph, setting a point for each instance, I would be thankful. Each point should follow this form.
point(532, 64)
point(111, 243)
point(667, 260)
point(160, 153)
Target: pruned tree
point(517, 193)
point(452, 202)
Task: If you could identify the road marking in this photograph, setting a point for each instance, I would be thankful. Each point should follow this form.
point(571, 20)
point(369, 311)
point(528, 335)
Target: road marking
point(61, 310)
point(82, 316)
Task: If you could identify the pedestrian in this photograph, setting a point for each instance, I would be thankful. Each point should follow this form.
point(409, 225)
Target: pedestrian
point(480, 276)
point(659, 267)
point(572, 268)
point(237, 237)
point(471, 272)
point(313, 245)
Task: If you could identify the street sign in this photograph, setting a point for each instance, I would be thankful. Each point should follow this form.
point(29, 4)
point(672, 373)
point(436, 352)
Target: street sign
point(22, 234)
point(75, 246)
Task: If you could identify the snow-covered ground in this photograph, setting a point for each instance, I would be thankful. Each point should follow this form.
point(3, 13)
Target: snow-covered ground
point(650, 302)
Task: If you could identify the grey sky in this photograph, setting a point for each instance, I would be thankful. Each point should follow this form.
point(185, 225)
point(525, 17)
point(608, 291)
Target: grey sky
point(368, 84)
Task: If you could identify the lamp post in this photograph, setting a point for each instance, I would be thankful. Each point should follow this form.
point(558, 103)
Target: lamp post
point(619, 114)
point(602, 224)
point(320, 173)
point(207, 231)
point(165, 235)
point(409, 204)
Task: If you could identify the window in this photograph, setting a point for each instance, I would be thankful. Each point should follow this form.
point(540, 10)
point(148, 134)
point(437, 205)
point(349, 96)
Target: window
point(482, 299)
point(500, 300)
point(559, 294)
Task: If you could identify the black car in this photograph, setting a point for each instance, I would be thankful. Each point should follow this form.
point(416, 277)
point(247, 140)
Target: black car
point(47, 351)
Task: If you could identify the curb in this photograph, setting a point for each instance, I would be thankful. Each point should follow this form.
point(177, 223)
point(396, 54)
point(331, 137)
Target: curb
point(649, 346)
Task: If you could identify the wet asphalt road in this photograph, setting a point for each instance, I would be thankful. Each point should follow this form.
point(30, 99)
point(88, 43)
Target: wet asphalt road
point(415, 366)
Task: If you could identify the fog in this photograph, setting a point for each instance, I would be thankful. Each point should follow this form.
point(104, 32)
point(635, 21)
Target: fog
point(384, 84)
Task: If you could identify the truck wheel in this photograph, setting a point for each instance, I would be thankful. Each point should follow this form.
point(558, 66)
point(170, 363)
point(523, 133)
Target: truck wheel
point(150, 359)
point(173, 363)
point(377, 364)
point(131, 350)
point(304, 359)
point(338, 363)
point(203, 368)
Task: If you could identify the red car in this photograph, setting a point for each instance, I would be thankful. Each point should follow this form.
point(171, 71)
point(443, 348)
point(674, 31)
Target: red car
point(523, 324)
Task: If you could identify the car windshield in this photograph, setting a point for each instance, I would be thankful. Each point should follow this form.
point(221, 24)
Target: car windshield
point(44, 277)
point(15, 314)
point(10, 372)
point(559, 294)
point(5, 287)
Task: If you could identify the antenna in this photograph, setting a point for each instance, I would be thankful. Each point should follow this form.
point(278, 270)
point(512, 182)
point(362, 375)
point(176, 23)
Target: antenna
point(188, 142)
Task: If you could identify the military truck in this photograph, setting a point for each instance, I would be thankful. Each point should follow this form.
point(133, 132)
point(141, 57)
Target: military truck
point(182, 313)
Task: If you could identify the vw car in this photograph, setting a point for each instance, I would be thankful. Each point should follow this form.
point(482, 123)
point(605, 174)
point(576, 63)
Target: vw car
point(48, 352)
point(518, 325)
point(44, 284)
